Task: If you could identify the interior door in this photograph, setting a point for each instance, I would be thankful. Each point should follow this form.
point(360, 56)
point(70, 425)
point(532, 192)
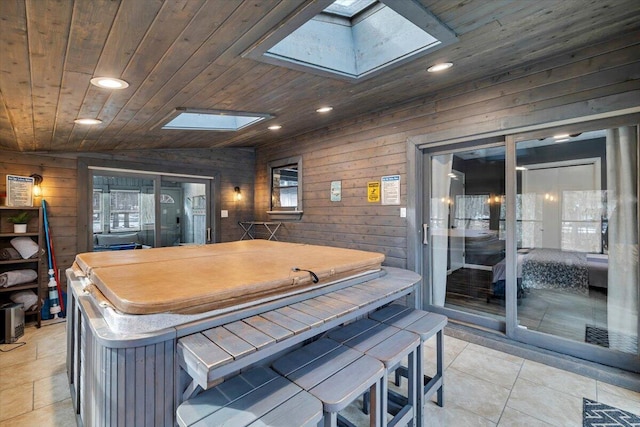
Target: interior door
point(185, 211)
point(171, 213)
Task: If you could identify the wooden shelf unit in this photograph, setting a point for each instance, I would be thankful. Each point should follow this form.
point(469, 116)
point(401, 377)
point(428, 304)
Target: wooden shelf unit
point(35, 230)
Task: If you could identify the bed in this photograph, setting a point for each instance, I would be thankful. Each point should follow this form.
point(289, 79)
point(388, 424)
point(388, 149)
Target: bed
point(543, 268)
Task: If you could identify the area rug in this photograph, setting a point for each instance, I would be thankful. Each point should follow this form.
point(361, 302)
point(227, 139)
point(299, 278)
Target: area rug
point(602, 337)
point(595, 414)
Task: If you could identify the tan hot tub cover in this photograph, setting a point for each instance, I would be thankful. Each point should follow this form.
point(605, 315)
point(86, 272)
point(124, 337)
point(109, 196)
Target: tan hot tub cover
point(193, 279)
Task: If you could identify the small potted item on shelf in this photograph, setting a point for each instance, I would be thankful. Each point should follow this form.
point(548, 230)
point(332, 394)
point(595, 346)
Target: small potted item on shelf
point(20, 221)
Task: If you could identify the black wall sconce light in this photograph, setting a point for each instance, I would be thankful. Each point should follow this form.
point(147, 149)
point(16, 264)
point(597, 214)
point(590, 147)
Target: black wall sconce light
point(238, 195)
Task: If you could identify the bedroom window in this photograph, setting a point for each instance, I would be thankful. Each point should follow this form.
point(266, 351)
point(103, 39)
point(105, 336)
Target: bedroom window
point(472, 212)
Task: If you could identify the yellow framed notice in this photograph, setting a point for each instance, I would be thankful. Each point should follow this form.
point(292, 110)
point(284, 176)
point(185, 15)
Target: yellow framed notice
point(373, 191)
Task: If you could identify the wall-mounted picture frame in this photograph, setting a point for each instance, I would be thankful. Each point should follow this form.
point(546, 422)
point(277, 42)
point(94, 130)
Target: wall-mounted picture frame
point(19, 191)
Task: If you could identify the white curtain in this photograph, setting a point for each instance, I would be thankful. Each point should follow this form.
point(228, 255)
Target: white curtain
point(622, 210)
point(439, 224)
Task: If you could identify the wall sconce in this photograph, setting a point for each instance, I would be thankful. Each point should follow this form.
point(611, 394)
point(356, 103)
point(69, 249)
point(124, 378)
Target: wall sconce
point(37, 181)
point(238, 195)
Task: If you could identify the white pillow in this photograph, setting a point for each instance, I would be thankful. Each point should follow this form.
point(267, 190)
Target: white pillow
point(25, 246)
point(27, 298)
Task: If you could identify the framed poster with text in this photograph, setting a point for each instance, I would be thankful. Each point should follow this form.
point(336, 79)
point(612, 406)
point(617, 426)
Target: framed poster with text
point(19, 191)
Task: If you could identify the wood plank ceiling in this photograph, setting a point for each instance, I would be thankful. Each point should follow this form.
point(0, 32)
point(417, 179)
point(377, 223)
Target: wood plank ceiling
point(187, 53)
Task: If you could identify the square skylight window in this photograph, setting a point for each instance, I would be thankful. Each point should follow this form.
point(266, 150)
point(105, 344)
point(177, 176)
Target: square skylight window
point(353, 39)
point(211, 120)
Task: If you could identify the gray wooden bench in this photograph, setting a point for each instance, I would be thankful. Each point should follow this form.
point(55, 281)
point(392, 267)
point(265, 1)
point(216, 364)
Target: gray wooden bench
point(258, 397)
point(426, 325)
point(336, 375)
point(390, 345)
point(209, 356)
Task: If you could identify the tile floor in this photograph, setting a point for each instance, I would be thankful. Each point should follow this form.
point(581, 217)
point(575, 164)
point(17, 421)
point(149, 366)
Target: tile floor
point(484, 387)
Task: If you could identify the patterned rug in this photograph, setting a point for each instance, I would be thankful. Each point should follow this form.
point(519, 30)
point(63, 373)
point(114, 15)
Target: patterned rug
point(596, 414)
point(604, 338)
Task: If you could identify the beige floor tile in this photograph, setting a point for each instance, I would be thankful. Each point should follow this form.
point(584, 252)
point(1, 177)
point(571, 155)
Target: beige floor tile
point(618, 391)
point(452, 348)
point(512, 418)
point(34, 370)
point(495, 353)
point(546, 404)
point(557, 379)
point(53, 342)
point(50, 390)
point(487, 367)
point(481, 397)
point(452, 416)
point(60, 414)
point(617, 401)
point(16, 400)
point(13, 355)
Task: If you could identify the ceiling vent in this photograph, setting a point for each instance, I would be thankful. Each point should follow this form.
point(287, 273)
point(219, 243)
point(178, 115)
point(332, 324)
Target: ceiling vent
point(353, 39)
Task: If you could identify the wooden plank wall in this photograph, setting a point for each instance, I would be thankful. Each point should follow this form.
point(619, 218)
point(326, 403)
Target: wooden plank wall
point(234, 166)
point(596, 79)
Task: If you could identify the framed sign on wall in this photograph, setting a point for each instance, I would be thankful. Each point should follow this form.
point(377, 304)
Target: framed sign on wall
point(19, 191)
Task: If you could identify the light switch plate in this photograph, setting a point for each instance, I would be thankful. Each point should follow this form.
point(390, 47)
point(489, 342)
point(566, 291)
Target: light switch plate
point(224, 214)
point(403, 212)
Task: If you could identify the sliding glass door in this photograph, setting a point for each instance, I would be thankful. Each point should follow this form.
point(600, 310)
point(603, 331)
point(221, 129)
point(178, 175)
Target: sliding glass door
point(576, 249)
point(464, 240)
point(142, 210)
point(183, 212)
point(538, 237)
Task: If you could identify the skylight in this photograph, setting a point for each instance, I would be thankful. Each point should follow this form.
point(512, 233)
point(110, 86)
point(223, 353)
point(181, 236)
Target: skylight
point(353, 39)
point(212, 120)
point(348, 8)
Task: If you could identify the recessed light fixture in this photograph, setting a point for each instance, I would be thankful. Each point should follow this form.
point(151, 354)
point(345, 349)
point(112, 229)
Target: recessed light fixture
point(563, 140)
point(109, 83)
point(440, 67)
point(87, 121)
point(521, 168)
point(274, 127)
point(561, 136)
point(324, 109)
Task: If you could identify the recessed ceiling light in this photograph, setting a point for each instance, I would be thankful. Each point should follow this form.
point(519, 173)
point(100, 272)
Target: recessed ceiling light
point(440, 67)
point(563, 140)
point(109, 83)
point(324, 109)
point(521, 168)
point(87, 121)
point(274, 127)
point(561, 136)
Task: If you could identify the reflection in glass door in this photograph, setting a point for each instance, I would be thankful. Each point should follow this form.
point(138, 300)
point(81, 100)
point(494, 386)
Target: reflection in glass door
point(465, 246)
point(183, 212)
point(123, 214)
point(577, 237)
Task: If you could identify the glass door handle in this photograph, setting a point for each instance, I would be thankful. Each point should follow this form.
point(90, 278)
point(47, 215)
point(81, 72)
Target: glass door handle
point(208, 234)
point(425, 234)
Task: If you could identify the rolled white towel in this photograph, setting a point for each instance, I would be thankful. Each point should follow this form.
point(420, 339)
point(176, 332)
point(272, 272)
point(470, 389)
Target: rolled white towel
point(28, 299)
point(26, 246)
point(17, 277)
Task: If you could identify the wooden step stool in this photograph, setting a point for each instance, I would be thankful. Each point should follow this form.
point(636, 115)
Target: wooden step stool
point(258, 397)
point(390, 345)
point(336, 375)
point(426, 325)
